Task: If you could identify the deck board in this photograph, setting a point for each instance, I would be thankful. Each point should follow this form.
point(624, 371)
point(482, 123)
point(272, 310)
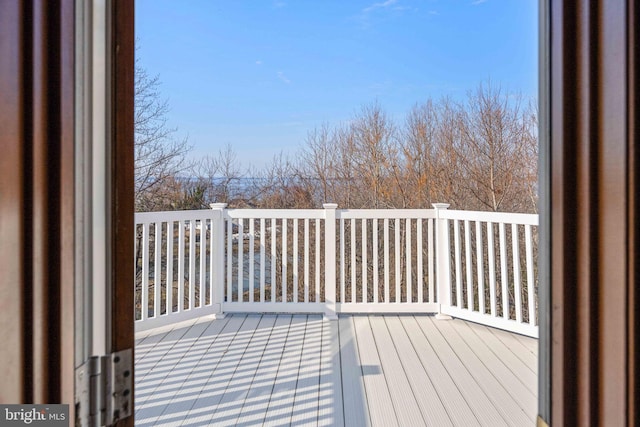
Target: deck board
point(177, 410)
point(520, 369)
point(478, 401)
point(380, 405)
point(497, 392)
point(255, 406)
point(354, 394)
point(515, 344)
point(184, 379)
point(524, 398)
point(421, 385)
point(450, 396)
point(161, 373)
point(222, 375)
point(282, 396)
point(235, 395)
point(305, 402)
point(377, 370)
point(407, 409)
point(330, 390)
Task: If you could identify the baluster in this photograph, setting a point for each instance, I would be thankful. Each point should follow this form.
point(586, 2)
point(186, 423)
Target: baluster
point(480, 266)
point(467, 248)
point(503, 272)
point(407, 230)
point(419, 256)
point(517, 285)
point(492, 268)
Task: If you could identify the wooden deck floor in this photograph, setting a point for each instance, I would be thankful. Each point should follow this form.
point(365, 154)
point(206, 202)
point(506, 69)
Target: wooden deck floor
point(361, 370)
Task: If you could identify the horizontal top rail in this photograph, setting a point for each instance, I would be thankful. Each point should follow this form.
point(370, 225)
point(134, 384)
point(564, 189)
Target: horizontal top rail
point(384, 213)
point(149, 217)
point(505, 217)
point(276, 213)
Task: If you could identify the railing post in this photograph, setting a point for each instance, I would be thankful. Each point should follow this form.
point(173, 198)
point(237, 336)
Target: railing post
point(330, 261)
point(443, 254)
point(217, 268)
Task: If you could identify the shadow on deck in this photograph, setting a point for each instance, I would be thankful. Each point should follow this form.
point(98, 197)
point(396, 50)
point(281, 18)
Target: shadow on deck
point(362, 370)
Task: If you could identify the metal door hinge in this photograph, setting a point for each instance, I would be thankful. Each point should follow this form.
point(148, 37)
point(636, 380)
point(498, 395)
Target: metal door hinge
point(103, 389)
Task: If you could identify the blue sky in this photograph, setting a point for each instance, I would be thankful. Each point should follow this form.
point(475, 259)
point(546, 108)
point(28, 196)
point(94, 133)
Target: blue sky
point(260, 74)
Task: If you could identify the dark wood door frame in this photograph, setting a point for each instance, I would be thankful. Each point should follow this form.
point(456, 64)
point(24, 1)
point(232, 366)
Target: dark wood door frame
point(592, 178)
point(37, 199)
point(122, 159)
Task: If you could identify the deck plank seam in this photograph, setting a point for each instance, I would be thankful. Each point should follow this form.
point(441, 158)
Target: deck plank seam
point(500, 337)
point(284, 347)
point(489, 393)
point(259, 363)
point(501, 357)
point(216, 408)
point(275, 343)
point(295, 389)
point(187, 412)
point(326, 330)
point(287, 345)
point(440, 397)
point(222, 324)
point(451, 380)
point(232, 339)
point(492, 370)
point(258, 341)
point(366, 323)
point(165, 336)
point(455, 383)
point(397, 357)
point(182, 353)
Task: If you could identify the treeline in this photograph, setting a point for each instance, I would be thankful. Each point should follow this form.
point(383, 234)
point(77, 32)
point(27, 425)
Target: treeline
point(477, 154)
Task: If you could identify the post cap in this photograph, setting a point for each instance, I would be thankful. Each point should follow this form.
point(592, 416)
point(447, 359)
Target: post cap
point(329, 205)
point(218, 205)
point(440, 205)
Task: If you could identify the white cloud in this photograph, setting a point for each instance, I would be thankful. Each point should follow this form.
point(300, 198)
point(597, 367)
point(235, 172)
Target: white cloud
point(258, 62)
point(433, 12)
point(477, 2)
point(380, 5)
point(279, 4)
point(284, 78)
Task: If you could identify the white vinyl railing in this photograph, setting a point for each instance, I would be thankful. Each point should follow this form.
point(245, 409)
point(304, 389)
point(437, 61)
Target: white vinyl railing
point(177, 260)
point(273, 260)
point(386, 260)
point(479, 266)
point(492, 268)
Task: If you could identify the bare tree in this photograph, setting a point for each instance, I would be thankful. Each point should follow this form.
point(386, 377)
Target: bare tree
point(419, 147)
point(159, 155)
point(283, 186)
point(220, 177)
point(479, 154)
point(318, 158)
point(373, 154)
point(496, 134)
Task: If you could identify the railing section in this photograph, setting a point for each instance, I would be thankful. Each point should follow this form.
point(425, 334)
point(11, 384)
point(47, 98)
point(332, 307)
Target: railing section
point(385, 260)
point(274, 260)
point(174, 266)
point(478, 266)
point(492, 277)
